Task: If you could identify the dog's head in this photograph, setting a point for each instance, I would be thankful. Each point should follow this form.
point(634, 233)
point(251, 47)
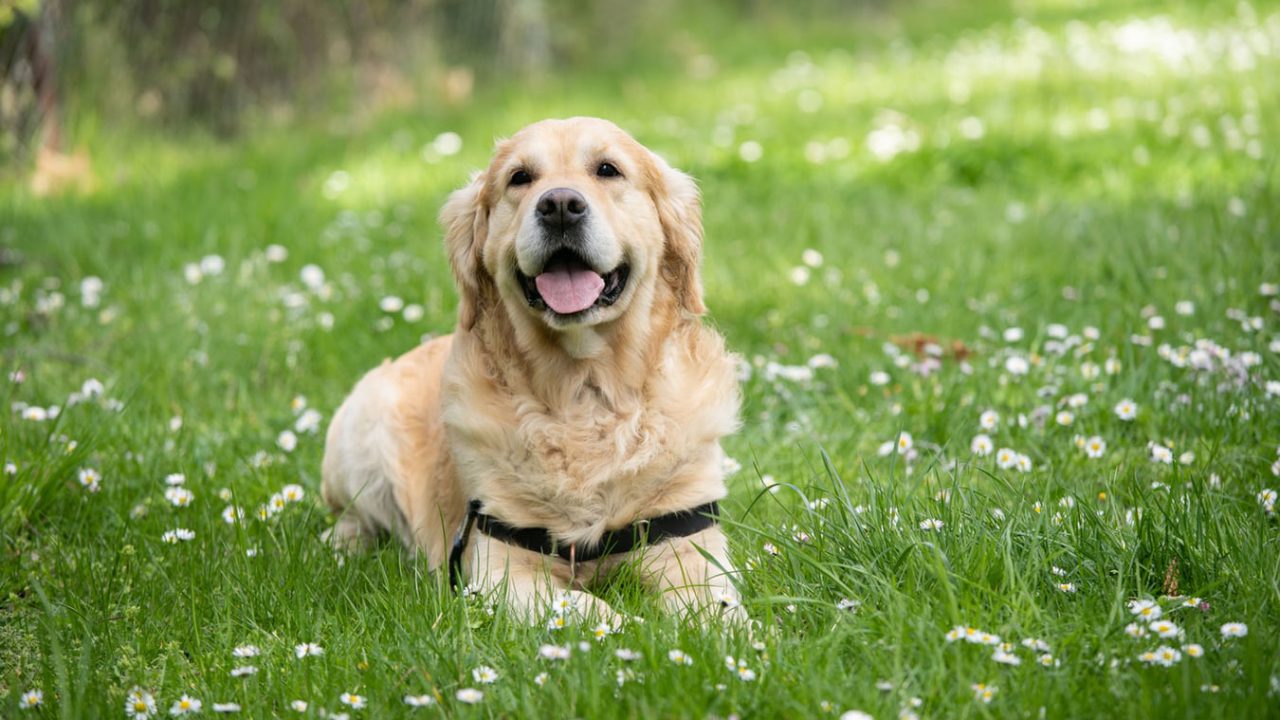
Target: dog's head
point(573, 224)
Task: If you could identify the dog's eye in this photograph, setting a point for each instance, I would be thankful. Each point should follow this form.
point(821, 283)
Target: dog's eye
point(521, 177)
point(607, 170)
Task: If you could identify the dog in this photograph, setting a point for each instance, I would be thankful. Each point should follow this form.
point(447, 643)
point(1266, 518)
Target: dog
point(580, 402)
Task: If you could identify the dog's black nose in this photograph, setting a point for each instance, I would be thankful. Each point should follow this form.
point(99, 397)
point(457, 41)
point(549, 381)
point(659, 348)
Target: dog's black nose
point(561, 208)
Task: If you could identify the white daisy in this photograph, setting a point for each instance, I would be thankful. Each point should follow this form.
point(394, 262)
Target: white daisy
point(1035, 644)
point(1167, 656)
point(308, 422)
point(275, 503)
point(89, 479)
point(1146, 609)
point(1017, 365)
point(179, 496)
point(679, 657)
point(139, 704)
point(554, 652)
point(904, 442)
point(1126, 410)
point(185, 705)
point(178, 535)
point(307, 650)
point(1005, 658)
point(1234, 630)
point(983, 693)
point(32, 698)
point(981, 445)
point(1006, 458)
point(470, 696)
point(563, 603)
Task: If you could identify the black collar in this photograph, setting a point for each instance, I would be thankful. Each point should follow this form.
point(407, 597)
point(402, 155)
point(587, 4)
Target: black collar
point(652, 530)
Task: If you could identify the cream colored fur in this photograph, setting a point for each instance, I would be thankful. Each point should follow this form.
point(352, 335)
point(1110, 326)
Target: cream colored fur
point(577, 427)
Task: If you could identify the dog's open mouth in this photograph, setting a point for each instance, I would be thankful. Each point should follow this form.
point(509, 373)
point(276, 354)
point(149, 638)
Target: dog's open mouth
point(567, 285)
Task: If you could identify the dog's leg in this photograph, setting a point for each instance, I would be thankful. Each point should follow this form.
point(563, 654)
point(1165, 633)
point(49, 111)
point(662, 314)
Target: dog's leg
point(691, 583)
point(533, 587)
point(348, 535)
point(360, 463)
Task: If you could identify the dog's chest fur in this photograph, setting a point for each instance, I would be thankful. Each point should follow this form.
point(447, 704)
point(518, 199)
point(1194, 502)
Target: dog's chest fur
point(596, 457)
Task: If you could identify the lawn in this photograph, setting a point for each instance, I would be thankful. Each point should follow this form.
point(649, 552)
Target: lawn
point(1004, 282)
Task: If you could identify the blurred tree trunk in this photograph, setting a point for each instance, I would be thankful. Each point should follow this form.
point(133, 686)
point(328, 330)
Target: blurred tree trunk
point(499, 35)
point(29, 99)
point(44, 76)
point(525, 35)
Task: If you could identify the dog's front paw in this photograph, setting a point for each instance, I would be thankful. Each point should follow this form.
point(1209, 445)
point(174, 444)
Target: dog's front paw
point(347, 536)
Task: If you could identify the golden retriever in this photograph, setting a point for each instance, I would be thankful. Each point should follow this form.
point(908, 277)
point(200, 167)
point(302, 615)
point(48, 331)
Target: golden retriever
point(581, 392)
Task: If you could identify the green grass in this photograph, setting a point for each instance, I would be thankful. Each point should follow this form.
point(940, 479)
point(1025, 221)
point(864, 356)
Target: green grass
point(1105, 187)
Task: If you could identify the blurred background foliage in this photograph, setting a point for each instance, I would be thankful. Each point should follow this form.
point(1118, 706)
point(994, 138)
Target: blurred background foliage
point(225, 65)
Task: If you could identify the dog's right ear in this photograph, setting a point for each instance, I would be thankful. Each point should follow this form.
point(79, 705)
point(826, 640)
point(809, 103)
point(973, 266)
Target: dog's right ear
point(466, 223)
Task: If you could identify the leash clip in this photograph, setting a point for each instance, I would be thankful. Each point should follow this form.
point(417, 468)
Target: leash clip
point(460, 545)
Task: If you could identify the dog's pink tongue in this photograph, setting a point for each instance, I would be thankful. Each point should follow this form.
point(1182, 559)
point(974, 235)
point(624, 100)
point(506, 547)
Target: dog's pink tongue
point(569, 288)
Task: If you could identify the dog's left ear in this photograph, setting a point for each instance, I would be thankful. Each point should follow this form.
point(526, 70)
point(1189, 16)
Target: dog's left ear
point(680, 212)
point(466, 223)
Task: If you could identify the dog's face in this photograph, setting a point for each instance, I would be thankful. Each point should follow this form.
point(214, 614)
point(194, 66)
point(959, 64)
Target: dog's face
point(573, 224)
